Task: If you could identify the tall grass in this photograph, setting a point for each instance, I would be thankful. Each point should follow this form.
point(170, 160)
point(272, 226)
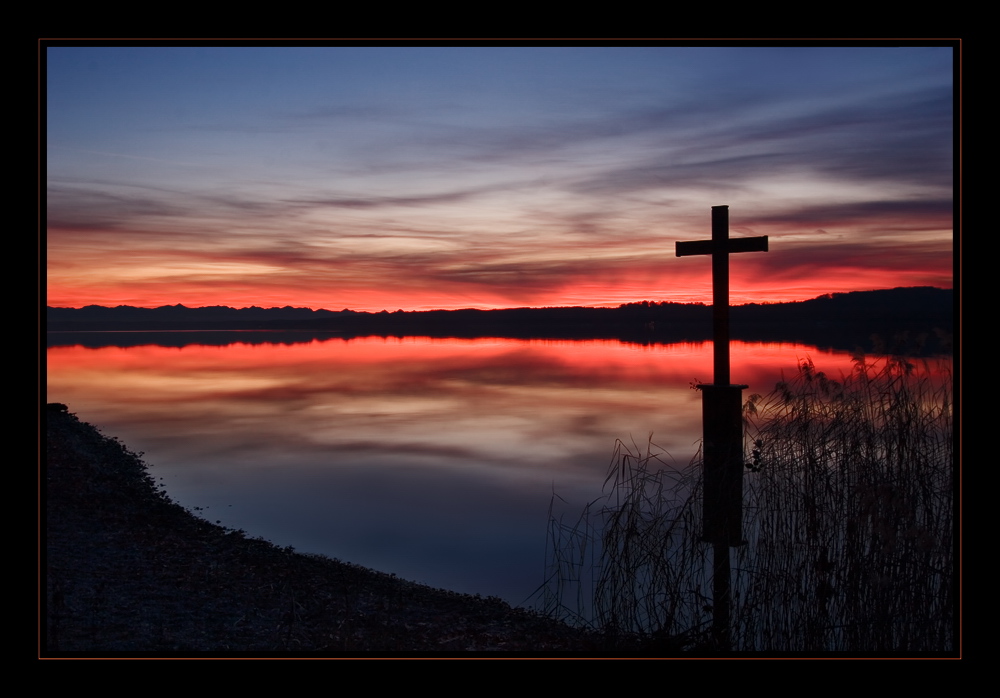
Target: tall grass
point(848, 516)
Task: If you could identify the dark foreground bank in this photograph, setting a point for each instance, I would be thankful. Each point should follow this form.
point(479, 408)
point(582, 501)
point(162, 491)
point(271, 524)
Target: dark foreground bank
point(127, 570)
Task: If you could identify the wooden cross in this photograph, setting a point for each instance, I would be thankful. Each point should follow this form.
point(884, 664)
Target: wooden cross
point(722, 510)
point(720, 247)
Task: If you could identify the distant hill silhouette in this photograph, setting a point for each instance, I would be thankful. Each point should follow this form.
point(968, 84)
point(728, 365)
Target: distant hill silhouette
point(904, 320)
point(910, 320)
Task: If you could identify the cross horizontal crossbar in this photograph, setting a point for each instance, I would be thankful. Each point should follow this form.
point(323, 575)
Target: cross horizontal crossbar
point(757, 244)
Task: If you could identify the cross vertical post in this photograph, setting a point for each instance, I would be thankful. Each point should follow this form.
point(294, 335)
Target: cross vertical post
point(720, 294)
point(722, 423)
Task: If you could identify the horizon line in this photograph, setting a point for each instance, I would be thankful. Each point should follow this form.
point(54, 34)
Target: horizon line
point(540, 307)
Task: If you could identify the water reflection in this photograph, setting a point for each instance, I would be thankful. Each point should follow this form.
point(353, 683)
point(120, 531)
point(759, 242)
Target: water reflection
point(431, 458)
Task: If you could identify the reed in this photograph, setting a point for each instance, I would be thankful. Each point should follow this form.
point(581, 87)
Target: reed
point(848, 517)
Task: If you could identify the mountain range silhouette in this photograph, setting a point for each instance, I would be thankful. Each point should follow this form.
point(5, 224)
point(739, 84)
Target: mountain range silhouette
point(912, 320)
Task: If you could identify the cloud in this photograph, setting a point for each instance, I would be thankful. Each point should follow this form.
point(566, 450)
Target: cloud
point(912, 215)
point(374, 202)
point(431, 182)
point(903, 139)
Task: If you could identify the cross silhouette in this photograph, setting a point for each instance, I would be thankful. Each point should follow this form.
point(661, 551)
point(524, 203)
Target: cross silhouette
point(722, 510)
point(720, 247)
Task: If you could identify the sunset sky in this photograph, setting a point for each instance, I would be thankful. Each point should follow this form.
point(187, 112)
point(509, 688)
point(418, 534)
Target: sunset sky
point(427, 177)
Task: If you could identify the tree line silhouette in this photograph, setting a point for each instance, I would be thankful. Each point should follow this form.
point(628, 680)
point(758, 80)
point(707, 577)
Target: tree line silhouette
point(904, 320)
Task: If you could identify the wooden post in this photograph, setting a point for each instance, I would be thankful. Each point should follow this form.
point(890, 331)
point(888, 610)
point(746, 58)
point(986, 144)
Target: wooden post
point(722, 423)
point(722, 452)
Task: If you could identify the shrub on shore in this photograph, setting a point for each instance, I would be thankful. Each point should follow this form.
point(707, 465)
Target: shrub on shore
point(848, 516)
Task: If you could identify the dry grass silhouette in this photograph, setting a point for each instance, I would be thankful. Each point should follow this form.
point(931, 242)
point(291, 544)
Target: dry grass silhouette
point(849, 521)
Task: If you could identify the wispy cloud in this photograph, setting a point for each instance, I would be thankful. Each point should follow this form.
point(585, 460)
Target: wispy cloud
point(465, 178)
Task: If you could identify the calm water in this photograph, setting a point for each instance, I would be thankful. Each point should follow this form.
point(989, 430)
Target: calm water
point(434, 459)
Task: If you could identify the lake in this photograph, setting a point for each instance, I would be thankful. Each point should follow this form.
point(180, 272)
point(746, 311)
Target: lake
point(433, 459)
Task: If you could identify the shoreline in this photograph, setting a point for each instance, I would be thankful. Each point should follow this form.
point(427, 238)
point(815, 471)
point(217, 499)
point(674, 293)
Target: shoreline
point(127, 570)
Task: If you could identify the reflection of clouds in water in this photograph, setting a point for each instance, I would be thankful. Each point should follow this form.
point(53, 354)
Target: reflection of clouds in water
point(495, 401)
point(446, 399)
point(434, 459)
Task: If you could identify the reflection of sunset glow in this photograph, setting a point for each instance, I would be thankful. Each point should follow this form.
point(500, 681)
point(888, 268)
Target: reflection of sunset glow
point(593, 363)
point(475, 395)
point(424, 440)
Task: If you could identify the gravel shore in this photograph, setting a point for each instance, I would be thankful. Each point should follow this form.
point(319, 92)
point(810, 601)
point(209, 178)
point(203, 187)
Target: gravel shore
point(126, 570)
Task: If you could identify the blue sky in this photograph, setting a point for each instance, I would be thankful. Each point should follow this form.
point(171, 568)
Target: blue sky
point(417, 177)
